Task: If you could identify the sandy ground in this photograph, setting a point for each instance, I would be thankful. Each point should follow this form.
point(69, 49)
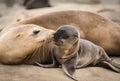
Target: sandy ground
point(35, 73)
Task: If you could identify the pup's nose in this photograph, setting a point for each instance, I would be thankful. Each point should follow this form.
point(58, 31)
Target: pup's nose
point(55, 38)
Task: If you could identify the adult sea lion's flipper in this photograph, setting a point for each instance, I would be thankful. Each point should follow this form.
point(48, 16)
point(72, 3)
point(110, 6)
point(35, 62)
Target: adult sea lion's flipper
point(46, 65)
point(54, 64)
point(69, 67)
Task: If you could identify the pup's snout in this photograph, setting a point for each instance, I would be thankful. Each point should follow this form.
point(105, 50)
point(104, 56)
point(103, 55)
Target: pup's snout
point(54, 39)
point(58, 41)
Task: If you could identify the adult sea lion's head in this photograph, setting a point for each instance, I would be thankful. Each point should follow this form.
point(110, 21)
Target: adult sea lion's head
point(18, 42)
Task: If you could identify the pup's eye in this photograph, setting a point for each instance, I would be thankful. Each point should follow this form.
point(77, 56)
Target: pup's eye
point(65, 36)
point(75, 36)
point(36, 32)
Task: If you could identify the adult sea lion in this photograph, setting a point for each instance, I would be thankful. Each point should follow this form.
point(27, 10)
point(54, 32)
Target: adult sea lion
point(24, 44)
point(32, 4)
point(91, 26)
point(72, 52)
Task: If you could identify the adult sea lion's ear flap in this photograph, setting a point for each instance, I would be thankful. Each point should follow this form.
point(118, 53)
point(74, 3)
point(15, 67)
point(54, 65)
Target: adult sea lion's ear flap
point(69, 67)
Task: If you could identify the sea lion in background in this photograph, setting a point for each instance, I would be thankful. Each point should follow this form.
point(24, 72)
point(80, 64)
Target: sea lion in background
point(32, 4)
point(72, 52)
point(24, 44)
point(29, 4)
point(91, 26)
point(9, 3)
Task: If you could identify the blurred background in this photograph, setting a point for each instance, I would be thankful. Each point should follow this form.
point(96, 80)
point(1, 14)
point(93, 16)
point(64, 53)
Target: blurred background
point(12, 11)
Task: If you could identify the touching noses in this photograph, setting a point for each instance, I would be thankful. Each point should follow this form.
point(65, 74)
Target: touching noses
point(49, 35)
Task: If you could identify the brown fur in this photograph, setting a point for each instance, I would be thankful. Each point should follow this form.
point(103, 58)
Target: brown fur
point(25, 44)
point(92, 27)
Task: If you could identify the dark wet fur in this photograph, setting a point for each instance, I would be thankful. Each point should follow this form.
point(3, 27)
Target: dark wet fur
point(92, 54)
point(32, 4)
point(87, 53)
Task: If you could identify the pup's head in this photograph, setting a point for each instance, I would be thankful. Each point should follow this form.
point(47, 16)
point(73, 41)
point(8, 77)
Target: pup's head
point(66, 36)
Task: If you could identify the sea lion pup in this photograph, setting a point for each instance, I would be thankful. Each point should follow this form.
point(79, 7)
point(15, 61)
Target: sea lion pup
point(91, 26)
point(72, 52)
point(24, 44)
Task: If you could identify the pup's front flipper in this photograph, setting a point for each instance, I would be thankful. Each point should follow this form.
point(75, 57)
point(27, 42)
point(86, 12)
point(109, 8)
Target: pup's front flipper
point(69, 67)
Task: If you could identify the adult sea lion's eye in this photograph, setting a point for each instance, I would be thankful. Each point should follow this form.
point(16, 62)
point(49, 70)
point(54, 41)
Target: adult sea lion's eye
point(36, 32)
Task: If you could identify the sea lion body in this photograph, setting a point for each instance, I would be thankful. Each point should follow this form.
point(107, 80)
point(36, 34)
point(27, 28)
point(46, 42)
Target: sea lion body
point(91, 26)
point(90, 54)
point(32, 4)
point(21, 44)
point(72, 52)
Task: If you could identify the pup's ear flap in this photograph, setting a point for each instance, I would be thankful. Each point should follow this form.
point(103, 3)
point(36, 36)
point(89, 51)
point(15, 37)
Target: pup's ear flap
point(69, 66)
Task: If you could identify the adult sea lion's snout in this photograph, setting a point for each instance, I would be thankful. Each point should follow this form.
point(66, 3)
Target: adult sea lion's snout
point(47, 35)
point(50, 35)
